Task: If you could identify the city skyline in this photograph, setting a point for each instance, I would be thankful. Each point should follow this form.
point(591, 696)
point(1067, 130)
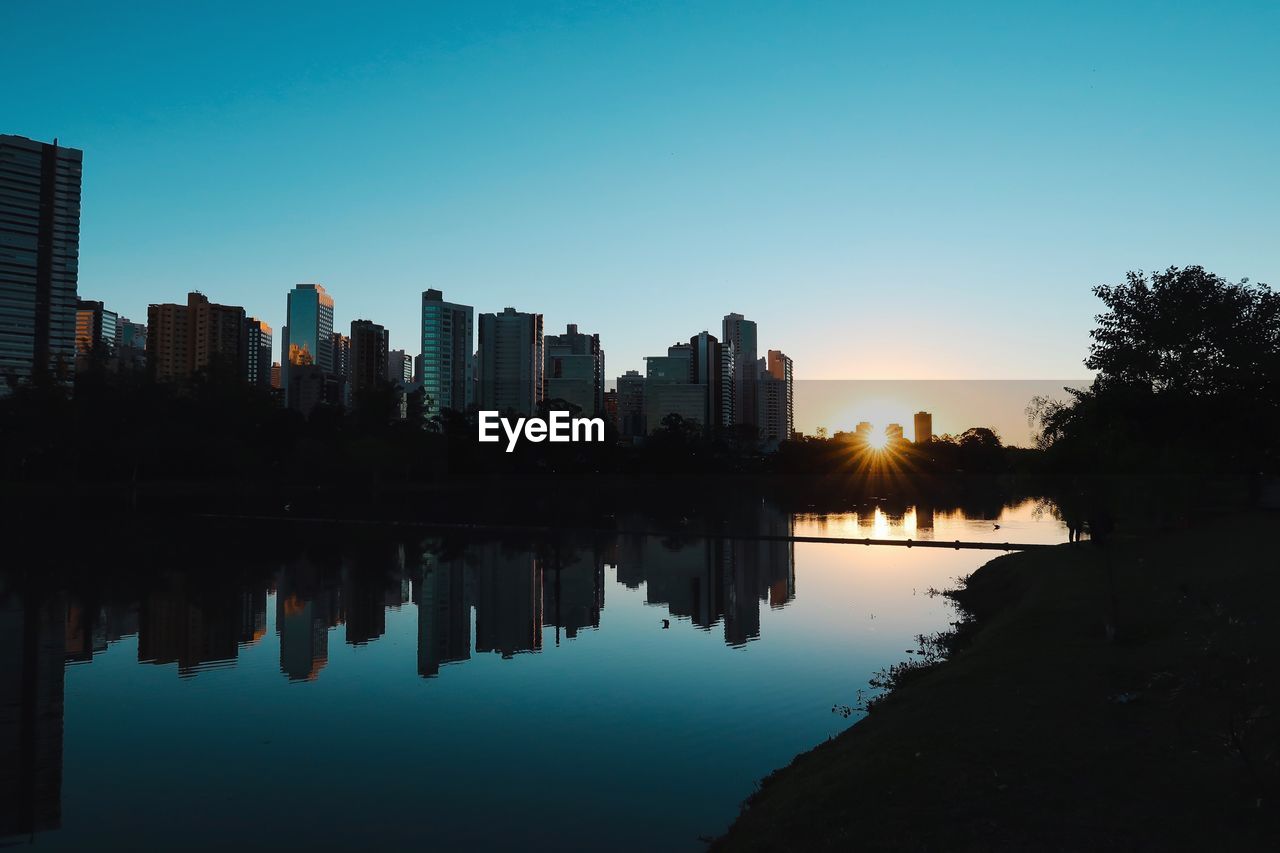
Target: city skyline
point(850, 156)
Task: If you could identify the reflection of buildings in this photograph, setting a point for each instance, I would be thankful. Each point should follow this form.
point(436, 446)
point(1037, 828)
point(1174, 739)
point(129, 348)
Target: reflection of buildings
point(706, 579)
point(508, 600)
point(445, 595)
point(573, 593)
point(32, 647)
point(307, 606)
point(192, 624)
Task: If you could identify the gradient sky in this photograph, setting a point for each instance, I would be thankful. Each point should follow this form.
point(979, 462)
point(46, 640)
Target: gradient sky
point(892, 190)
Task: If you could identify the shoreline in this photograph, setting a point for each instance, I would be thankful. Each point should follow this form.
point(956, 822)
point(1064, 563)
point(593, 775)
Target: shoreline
point(1105, 698)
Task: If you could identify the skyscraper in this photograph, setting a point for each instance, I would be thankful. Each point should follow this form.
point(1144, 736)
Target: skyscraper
point(39, 258)
point(447, 364)
point(631, 404)
point(575, 370)
point(257, 353)
point(740, 334)
point(369, 344)
point(707, 369)
point(775, 406)
point(923, 427)
point(511, 362)
point(183, 339)
point(307, 337)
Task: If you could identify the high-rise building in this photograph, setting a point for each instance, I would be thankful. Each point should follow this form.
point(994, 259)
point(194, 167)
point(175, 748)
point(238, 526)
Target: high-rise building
point(448, 362)
point(893, 432)
point(775, 406)
point(631, 404)
point(131, 344)
point(707, 368)
point(257, 352)
point(575, 370)
point(369, 345)
point(511, 362)
point(399, 368)
point(669, 389)
point(342, 364)
point(307, 336)
point(201, 335)
point(39, 259)
point(740, 334)
point(275, 375)
point(923, 427)
point(96, 331)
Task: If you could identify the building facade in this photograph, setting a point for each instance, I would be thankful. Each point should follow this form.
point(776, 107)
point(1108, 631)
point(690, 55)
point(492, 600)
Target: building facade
point(446, 368)
point(257, 353)
point(739, 333)
point(39, 259)
point(574, 370)
point(775, 402)
point(511, 362)
point(97, 330)
point(201, 335)
point(307, 336)
point(369, 346)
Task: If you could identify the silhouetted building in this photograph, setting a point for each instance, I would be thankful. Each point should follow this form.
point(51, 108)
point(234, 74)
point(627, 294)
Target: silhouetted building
point(369, 345)
point(775, 396)
point(631, 422)
point(307, 336)
point(257, 352)
point(923, 427)
point(669, 389)
point(611, 407)
point(448, 363)
point(511, 362)
point(893, 432)
point(201, 335)
point(399, 368)
point(740, 334)
point(863, 430)
point(707, 368)
point(275, 375)
point(39, 259)
point(575, 370)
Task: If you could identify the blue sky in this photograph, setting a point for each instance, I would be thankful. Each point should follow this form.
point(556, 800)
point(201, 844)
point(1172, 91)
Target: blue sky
point(891, 190)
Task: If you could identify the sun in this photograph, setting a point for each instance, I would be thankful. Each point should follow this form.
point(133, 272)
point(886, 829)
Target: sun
point(877, 441)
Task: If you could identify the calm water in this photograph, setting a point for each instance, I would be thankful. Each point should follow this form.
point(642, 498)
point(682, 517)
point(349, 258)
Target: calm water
point(443, 695)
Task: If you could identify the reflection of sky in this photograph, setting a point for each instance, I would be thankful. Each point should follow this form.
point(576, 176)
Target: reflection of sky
point(586, 740)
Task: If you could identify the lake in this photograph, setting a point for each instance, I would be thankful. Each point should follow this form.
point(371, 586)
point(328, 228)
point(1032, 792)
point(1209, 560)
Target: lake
point(620, 692)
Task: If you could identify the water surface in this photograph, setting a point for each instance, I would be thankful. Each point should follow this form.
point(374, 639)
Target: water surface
point(620, 693)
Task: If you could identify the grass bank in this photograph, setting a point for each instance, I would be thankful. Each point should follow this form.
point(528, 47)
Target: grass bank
point(1118, 698)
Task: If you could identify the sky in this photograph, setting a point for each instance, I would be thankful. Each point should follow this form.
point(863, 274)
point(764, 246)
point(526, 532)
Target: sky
point(896, 190)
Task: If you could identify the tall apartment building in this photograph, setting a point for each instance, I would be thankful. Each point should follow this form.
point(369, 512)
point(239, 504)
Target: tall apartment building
point(739, 333)
point(39, 259)
point(669, 388)
point(369, 345)
point(257, 352)
point(631, 423)
point(399, 367)
point(923, 427)
point(183, 339)
point(511, 362)
point(707, 368)
point(447, 366)
point(575, 369)
point(775, 398)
